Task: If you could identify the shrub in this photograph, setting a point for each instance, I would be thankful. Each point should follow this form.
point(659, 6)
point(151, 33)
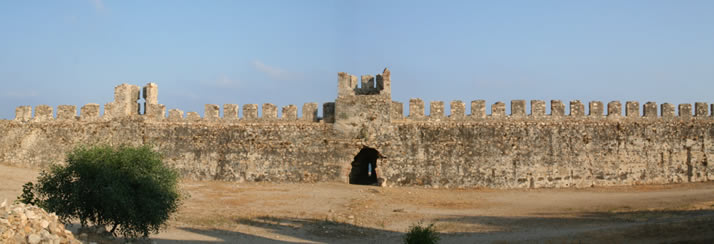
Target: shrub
point(421, 235)
point(128, 188)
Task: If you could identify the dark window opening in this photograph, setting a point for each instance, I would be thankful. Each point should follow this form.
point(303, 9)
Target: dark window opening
point(364, 167)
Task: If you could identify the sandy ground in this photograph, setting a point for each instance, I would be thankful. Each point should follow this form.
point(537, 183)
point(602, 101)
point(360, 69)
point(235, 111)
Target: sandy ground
point(229, 212)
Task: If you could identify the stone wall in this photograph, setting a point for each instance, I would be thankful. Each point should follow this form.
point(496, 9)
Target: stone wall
point(517, 150)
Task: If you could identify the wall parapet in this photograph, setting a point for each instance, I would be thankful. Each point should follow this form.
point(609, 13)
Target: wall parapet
point(518, 109)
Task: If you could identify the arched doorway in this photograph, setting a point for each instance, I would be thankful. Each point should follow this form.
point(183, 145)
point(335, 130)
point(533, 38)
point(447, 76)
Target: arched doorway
point(364, 166)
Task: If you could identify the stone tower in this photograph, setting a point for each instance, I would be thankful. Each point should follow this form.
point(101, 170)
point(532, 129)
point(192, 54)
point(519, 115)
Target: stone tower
point(362, 112)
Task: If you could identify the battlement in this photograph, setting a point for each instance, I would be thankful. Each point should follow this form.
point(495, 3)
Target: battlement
point(126, 105)
point(633, 110)
point(347, 84)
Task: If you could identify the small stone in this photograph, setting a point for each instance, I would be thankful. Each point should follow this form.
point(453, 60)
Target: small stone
point(44, 224)
point(33, 239)
point(351, 217)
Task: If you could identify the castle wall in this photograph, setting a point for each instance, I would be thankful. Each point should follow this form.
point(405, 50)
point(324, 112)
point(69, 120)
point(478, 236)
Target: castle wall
point(499, 150)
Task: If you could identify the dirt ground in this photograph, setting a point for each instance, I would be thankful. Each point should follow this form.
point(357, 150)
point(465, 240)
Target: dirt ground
point(229, 212)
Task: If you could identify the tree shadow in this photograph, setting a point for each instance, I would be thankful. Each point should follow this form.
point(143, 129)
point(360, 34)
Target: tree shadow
point(670, 226)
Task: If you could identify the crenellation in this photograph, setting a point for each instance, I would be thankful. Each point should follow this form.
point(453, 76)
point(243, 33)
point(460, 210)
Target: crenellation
point(155, 111)
point(498, 109)
point(557, 108)
point(650, 110)
point(416, 108)
point(152, 109)
point(367, 86)
point(175, 115)
point(43, 113)
point(614, 109)
point(125, 102)
point(685, 110)
point(478, 109)
point(250, 111)
point(457, 109)
point(384, 82)
point(193, 116)
point(632, 109)
point(270, 111)
point(667, 110)
point(309, 112)
point(701, 109)
point(211, 112)
point(397, 112)
point(518, 108)
point(537, 108)
point(23, 113)
point(596, 109)
point(230, 112)
point(436, 109)
point(66, 112)
point(344, 85)
point(289, 112)
point(577, 109)
point(328, 112)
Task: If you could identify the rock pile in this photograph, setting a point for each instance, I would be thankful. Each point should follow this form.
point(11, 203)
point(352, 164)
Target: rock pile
point(21, 223)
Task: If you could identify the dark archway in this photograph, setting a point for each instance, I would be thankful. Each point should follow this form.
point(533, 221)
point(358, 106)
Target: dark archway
point(364, 167)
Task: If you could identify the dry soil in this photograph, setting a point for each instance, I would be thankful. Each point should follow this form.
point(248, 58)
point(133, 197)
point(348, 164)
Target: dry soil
point(229, 212)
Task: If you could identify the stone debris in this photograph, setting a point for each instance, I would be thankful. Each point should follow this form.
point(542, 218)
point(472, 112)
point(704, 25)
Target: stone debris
point(24, 223)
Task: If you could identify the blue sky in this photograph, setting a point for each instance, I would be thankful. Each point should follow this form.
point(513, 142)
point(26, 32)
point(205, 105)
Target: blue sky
point(289, 52)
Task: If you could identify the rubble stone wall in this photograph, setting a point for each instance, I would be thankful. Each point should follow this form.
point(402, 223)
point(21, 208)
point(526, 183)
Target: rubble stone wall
point(526, 148)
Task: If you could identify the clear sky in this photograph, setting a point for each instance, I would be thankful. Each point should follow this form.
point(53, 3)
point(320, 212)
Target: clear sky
point(289, 52)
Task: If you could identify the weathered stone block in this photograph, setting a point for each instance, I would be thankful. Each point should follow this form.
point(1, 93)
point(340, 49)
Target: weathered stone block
point(685, 110)
point(328, 112)
point(43, 113)
point(155, 111)
point(175, 115)
point(701, 109)
point(270, 111)
point(66, 112)
point(23, 113)
point(632, 109)
point(436, 109)
point(397, 112)
point(667, 110)
point(384, 82)
point(537, 108)
point(518, 108)
point(345, 86)
point(250, 111)
point(230, 111)
point(478, 109)
point(193, 116)
point(498, 109)
point(367, 86)
point(416, 108)
point(151, 93)
point(211, 112)
point(650, 110)
point(457, 109)
point(557, 108)
point(89, 112)
point(289, 112)
point(309, 112)
point(614, 108)
point(577, 109)
point(596, 108)
point(125, 101)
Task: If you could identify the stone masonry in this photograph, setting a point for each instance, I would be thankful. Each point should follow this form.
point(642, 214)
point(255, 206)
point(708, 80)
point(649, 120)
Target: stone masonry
point(520, 149)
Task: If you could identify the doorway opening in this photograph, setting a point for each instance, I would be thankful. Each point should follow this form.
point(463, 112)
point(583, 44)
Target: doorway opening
point(364, 167)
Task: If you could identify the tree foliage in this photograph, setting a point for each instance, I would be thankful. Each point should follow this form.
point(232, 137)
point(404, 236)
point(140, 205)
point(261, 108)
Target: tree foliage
point(418, 234)
point(128, 188)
